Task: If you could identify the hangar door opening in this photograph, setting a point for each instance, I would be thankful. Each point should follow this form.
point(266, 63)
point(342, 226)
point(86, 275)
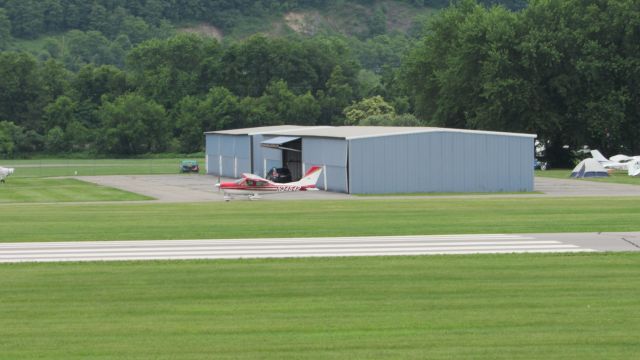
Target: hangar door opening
point(291, 148)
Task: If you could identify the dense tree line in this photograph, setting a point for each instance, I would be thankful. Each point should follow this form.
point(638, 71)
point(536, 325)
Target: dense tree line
point(171, 90)
point(566, 70)
point(30, 18)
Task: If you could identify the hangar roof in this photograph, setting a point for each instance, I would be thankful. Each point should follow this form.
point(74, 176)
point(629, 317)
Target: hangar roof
point(258, 130)
point(358, 132)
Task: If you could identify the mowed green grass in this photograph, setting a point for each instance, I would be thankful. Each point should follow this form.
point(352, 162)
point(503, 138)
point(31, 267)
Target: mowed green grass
point(618, 177)
point(72, 167)
point(258, 219)
point(581, 306)
point(25, 190)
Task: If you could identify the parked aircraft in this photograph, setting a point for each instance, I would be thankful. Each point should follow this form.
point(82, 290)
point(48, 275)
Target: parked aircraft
point(633, 167)
point(5, 172)
point(618, 162)
point(253, 185)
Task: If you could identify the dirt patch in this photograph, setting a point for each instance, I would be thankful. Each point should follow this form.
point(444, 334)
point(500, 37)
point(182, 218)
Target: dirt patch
point(204, 29)
point(306, 23)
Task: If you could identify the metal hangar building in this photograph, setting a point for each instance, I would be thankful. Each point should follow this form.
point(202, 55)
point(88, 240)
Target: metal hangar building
point(379, 160)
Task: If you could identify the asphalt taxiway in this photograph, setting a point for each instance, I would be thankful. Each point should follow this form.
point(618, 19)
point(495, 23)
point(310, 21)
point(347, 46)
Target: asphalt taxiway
point(199, 188)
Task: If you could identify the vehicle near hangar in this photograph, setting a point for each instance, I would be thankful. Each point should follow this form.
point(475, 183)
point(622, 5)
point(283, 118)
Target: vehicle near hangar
point(189, 166)
point(279, 175)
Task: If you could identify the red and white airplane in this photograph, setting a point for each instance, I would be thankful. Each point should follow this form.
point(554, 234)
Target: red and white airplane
point(253, 185)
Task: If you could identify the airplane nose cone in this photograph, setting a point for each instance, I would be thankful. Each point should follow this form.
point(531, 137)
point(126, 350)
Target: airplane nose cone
point(218, 185)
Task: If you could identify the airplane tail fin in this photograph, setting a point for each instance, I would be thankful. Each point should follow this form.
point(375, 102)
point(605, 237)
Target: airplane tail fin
point(311, 177)
point(598, 156)
point(633, 168)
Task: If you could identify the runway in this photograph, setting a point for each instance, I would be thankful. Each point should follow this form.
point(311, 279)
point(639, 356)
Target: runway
point(316, 247)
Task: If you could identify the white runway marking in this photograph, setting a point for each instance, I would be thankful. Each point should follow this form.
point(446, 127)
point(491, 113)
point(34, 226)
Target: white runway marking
point(280, 248)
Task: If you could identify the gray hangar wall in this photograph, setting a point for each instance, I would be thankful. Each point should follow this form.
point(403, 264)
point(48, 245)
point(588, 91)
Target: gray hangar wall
point(332, 154)
point(228, 155)
point(441, 162)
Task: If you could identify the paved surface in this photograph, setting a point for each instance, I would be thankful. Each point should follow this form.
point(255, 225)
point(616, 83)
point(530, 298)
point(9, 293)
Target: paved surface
point(191, 188)
point(573, 187)
point(198, 188)
point(317, 247)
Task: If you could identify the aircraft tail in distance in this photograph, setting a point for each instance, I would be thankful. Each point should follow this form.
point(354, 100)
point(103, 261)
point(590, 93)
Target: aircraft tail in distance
point(598, 156)
point(310, 179)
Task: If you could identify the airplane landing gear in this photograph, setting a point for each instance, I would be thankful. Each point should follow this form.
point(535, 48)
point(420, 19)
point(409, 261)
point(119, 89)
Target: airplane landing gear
point(255, 197)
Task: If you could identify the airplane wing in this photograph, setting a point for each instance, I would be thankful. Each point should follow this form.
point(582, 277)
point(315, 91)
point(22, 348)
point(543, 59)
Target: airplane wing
point(620, 158)
point(253, 177)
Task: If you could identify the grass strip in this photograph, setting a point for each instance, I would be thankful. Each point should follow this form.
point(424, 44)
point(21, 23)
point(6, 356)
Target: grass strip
point(245, 219)
point(91, 167)
point(21, 190)
point(581, 306)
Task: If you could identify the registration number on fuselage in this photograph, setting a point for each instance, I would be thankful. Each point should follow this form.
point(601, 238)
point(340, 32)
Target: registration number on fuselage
point(284, 188)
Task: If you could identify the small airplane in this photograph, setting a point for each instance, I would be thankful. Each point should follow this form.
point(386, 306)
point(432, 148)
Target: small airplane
point(617, 162)
point(253, 185)
point(633, 167)
point(5, 172)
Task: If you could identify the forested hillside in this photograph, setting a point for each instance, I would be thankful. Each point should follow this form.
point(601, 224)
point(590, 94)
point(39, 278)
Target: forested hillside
point(133, 77)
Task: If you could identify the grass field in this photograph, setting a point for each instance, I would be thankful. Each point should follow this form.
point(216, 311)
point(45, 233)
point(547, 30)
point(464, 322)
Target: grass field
point(619, 177)
point(71, 167)
point(21, 190)
point(581, 306)
point(76, 222)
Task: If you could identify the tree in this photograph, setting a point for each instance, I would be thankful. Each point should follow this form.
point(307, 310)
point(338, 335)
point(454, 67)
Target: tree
point(390, 120)
point(20, 140)
point(53, 13)
point(27, 17)
point(6, 143)
point(5, 30)
point(92, 83)
point(218, 110)
point(55, 79)
point(89, 47)
point(55, 140)
point(60, 113)
point(133, 125)
point(168, 70)
point(21, 89)
point(366, 108)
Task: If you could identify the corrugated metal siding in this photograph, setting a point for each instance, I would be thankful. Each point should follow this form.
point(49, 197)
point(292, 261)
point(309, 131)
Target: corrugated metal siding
point(440, 162)
point(234, 151)
point(212, 148)
point(257, 155)
point(330, 153)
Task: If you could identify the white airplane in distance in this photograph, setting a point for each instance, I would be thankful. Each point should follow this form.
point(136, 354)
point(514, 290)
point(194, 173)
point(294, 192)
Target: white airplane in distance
point(633, 167)
point(253, 185)
point(617, 162)
point(5, 172)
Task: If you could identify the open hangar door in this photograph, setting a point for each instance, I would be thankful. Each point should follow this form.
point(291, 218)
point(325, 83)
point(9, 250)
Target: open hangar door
point(289, 151)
